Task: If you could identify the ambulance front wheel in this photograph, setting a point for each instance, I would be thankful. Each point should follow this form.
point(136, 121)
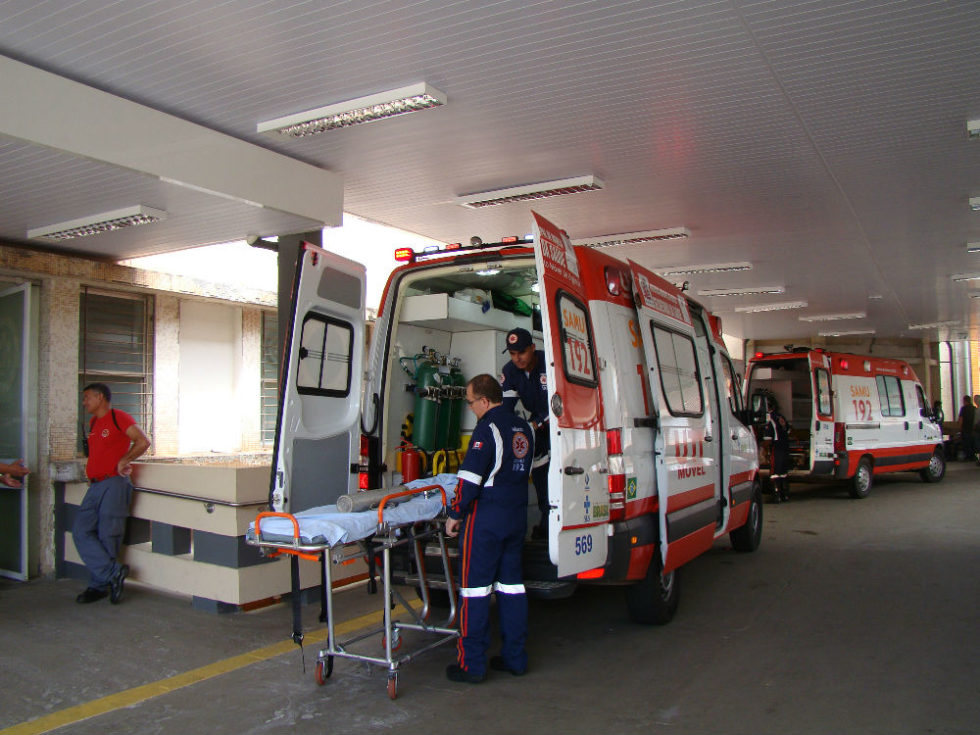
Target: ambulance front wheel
point(749, 536)
point(861, 482)
point(653, 600)
point(936, 469)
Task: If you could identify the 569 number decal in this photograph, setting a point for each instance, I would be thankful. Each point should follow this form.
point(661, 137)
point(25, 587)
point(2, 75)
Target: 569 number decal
point(583, 544)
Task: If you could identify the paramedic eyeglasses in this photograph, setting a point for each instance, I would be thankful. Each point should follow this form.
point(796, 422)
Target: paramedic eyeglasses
point(470, 403)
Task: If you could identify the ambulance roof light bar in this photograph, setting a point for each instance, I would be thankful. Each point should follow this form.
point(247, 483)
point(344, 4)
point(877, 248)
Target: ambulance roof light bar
point(394, 102)
point(408, 255)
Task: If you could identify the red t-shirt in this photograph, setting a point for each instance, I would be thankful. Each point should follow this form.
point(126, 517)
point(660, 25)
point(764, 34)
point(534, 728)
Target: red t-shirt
point(107, 444)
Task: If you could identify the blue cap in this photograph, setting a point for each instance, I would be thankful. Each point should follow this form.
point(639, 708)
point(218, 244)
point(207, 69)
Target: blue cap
point(518, 340)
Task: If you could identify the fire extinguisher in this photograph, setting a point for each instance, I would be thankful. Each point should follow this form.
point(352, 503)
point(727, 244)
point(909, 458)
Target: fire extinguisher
point(413, 462)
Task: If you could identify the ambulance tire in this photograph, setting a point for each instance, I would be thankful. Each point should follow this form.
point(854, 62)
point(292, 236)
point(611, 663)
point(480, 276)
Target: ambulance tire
point(748, 537)
point(936, 469)
point(861, 482)
point(653, 600)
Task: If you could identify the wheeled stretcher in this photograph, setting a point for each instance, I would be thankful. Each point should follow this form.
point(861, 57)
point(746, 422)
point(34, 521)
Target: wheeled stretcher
point(403, 517)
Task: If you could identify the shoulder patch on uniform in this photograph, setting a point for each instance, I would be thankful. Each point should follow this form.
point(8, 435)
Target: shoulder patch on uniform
point(477, 445)
point(544, 379)
point(519, 444)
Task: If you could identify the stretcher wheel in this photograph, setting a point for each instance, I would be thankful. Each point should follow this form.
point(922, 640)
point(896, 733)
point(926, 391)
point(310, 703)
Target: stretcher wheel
point(323, 670)
point(392, 686)
point(396, 641)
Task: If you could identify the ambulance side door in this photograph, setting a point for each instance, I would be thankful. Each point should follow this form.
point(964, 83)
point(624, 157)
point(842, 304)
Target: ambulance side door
point(688, 477)
point(320, 384)
point(577, 488)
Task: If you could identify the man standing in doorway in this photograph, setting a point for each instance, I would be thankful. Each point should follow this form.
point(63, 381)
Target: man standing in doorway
point(491, 507)
point(524, 379)
point(114, 441)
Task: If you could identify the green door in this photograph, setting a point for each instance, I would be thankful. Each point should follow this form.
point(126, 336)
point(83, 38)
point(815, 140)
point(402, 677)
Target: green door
point(18, 419)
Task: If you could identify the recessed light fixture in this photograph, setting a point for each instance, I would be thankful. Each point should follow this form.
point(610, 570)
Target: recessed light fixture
point(847, 333)
point(373, 107)
point(936, 325)
point(693, 270)
point(782, 306)
point(975, 204)
point(973, 247)
point(633, 238)
point(527, 192)
point(973, 129)
point(966, 277)
point(750, 291)
point(833, 317)
point(96, 224)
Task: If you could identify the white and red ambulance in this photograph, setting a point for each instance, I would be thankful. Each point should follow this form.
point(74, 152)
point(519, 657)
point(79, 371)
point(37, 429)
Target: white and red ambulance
point(649, 461)
point(851, 416)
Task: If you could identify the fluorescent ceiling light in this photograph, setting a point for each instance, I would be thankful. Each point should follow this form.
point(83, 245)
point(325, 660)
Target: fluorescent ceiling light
point(833, 317)
point(975, 204)
point(973, 247)
point(782, 306)
point(373, 107)
point(936, 325)
point(750, 291)
point(973, 129)
point(693, 270)
point(633, 238)
point(966, 277)
point(848, 333)
point(96, 224)
point(526, 192)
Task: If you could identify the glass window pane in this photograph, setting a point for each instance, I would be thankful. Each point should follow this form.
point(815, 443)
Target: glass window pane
point(311, 353)
point(823, 392)
point(336, 370)
point(576, 343)
point(678, 369)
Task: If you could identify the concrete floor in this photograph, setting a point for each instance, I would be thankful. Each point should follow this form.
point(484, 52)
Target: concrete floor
point(852, 617)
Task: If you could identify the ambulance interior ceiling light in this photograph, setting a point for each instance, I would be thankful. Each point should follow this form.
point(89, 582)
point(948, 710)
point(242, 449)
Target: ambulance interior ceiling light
point(694, 270)
point(833, 317)
point(394, 102)
point(936, 325)
point(750, 291)
point(846, 333)
point(527, 192)
point(781, 306)
point(633, 238)
point(96, 224)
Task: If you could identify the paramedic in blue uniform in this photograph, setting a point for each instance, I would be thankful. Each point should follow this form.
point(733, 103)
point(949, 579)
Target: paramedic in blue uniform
point(524, 379)
point(490, 506)
point(114, 440)
point(777, 429)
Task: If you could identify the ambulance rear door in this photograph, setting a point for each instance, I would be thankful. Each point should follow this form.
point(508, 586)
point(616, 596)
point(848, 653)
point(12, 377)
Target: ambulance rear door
point(317, 439)
point(687, 447)
point(577, 488)
point(822, 424)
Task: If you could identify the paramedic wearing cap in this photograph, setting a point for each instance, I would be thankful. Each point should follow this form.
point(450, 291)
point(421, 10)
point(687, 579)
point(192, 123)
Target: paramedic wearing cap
point(490, 505)
point(114, 440)
point(524, 378)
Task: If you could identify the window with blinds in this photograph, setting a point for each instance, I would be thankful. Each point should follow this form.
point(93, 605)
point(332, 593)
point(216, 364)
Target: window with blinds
point(270, 375)
point(116, 348)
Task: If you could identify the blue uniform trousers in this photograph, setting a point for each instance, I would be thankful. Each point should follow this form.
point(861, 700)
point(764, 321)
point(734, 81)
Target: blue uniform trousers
point(99, 527)
point(490, 552)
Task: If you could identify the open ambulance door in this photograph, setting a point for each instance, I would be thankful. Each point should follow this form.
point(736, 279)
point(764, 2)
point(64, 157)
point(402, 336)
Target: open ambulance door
point(317, 437)
point(687, 446)
point(822, 426)
point(577, 488)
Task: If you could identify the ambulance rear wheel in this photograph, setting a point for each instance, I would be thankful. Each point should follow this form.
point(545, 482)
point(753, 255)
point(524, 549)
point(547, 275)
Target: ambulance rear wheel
point(861, 482)
point(653, 600)
point(748, 537)
point(936, 469)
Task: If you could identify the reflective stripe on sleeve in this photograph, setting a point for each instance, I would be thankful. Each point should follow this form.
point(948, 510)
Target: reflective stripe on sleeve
point(498, 454)
point(510, 394)
point(508, 589)
point(540, 461)
point(477, 591)
point(469, 477)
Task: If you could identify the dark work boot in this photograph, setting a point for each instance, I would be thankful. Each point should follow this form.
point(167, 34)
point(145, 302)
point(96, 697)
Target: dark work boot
point(90, 594)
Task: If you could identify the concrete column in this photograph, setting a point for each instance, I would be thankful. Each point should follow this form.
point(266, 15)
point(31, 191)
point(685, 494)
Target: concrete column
point(250, 380)
point(166, 376)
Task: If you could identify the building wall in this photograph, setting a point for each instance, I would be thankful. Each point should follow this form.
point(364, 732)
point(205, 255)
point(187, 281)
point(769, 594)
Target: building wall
point(218, 320)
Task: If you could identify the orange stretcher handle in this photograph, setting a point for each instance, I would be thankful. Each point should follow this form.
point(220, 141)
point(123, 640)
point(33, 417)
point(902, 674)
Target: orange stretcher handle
point(403, 493)
point(296, 537)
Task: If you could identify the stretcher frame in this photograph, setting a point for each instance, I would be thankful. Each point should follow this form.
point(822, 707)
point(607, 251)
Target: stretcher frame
point(386, 537)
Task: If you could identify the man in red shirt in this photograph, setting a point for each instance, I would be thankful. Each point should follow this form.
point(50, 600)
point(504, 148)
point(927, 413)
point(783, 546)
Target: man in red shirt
point(114, 440)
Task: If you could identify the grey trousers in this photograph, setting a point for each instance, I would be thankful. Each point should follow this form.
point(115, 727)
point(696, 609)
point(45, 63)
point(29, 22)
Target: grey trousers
point(99, 527)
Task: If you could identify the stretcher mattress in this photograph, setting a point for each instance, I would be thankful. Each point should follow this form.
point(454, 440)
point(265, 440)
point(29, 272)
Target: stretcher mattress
point(325, 525)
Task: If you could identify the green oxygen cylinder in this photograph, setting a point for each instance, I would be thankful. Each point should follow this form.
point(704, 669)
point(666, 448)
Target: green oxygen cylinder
point(458, 388)
point(427, 389)
point(445, 408)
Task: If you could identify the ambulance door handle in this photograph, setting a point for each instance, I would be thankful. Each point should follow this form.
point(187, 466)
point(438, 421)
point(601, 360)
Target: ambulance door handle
point(906, 425)
point(708, 439)
point(574, 470)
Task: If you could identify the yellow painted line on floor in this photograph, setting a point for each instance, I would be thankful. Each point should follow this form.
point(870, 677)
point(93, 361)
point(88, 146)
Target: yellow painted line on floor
point(129, 697)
